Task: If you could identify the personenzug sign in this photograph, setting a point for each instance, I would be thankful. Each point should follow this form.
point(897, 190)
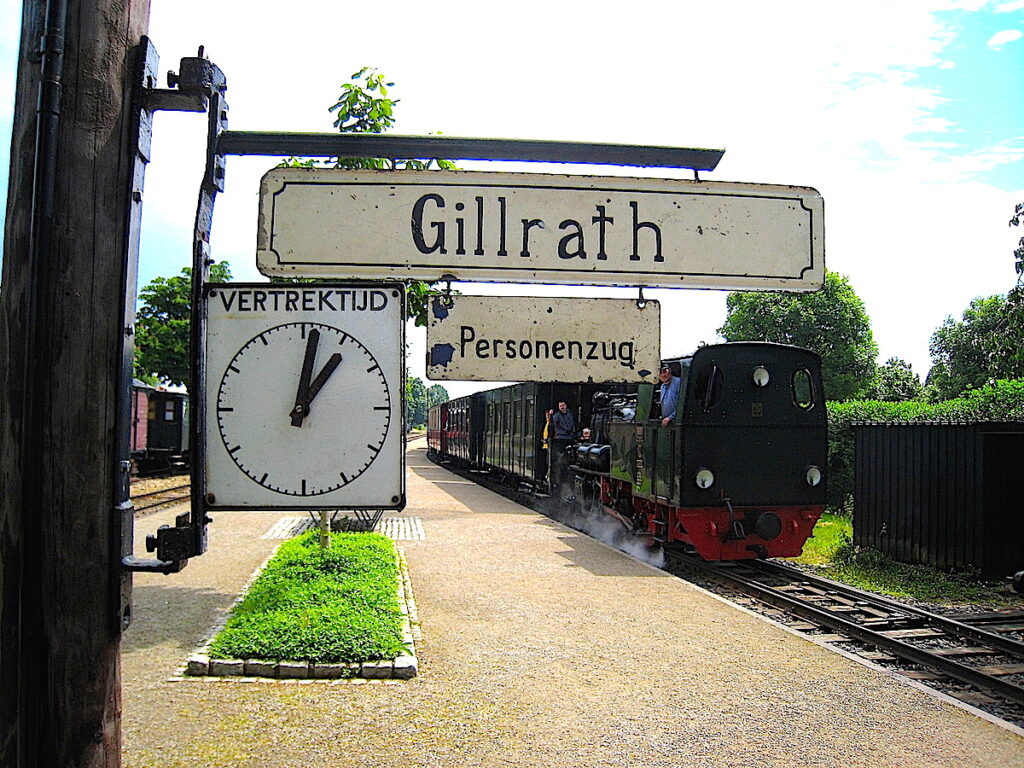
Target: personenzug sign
point(523, 338)
point(304, 396)
point(539, 228)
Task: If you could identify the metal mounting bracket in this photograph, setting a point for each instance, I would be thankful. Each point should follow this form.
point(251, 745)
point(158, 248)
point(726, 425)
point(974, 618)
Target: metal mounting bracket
point(198, 86)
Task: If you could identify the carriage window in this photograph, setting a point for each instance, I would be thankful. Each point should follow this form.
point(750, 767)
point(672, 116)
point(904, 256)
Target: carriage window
point(709, 386)
point(169, 410)
point(803, 389)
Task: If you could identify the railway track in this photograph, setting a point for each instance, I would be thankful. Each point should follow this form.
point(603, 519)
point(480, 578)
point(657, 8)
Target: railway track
point(979, 661)
point(161, 497)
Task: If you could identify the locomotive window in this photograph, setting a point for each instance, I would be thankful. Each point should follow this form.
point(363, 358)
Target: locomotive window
point(684, 374)
point(709, 386)
point(803, 389)
point(169, 410)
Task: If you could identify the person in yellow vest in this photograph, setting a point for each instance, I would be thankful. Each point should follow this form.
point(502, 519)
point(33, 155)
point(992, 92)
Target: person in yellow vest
point(544, 441)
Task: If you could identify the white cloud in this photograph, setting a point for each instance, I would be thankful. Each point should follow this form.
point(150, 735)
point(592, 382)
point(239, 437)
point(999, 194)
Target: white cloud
point(999, 39)
point(805, 93)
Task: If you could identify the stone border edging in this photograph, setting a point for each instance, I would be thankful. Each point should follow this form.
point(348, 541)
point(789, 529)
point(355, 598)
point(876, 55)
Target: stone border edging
point(403, 667)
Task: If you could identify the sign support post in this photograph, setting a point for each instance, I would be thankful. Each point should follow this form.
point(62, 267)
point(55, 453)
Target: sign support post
point(66, 280)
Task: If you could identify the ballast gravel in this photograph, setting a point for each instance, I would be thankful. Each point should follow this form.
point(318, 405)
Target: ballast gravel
point(538, 646)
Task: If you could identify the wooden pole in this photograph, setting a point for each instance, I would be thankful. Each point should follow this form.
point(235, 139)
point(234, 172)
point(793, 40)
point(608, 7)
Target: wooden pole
point(61, 338)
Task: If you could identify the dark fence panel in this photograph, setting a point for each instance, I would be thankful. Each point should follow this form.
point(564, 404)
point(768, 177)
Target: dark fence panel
point(941, 494)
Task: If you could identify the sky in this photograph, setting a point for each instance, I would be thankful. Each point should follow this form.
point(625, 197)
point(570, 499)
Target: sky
point(907, 117)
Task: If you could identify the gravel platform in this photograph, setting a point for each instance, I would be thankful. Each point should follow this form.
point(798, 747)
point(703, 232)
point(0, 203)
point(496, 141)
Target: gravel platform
point(538, 647)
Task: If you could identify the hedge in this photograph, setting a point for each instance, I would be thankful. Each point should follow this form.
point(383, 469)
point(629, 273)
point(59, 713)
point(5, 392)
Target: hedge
point(1000, 401)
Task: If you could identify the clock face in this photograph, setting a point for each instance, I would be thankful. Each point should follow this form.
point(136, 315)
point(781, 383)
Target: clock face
point(303, 408)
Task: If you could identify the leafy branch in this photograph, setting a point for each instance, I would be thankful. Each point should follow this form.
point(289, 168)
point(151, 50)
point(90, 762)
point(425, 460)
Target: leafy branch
point(1018, 254)
point(363, 106)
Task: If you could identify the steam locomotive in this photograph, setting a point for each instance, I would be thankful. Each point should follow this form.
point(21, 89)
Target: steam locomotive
point(739, 472)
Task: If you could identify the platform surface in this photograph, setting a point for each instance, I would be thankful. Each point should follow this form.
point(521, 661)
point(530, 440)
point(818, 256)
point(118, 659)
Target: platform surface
point(540, 647)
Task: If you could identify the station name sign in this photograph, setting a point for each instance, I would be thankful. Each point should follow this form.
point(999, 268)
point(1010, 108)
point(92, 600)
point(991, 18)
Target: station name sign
point(522, 338)
point(539, 228)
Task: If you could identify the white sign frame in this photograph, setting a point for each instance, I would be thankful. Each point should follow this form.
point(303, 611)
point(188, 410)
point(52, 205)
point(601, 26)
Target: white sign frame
point(344, 448)
point(527, 338)
point(540, 228)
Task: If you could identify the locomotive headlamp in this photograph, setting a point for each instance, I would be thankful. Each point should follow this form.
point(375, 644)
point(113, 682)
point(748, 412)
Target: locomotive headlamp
point(705, 478)
point(760, 376)
point(813, 476)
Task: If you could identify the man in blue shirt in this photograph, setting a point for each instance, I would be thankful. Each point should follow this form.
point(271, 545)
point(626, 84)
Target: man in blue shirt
point(563, 425)
point(564, 422)
point(669, 394)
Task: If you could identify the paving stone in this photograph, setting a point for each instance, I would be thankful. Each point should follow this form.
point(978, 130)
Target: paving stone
point(293, 669)
point(375, 670)
point(198, 664)
point(404, 667)
point(227, 667)
point(260, 668)
point(331, 670)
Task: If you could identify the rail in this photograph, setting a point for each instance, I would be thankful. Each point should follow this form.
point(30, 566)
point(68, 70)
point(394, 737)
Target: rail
point(875, 621)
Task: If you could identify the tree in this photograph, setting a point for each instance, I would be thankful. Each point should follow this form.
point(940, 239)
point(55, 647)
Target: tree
point(162, 326)
point(895, 382)
point(962, 350)
point(436, 395)
point(986, 344)
point(415, 402)
point(365, 107)
point(1008, 345)
point(831, 322)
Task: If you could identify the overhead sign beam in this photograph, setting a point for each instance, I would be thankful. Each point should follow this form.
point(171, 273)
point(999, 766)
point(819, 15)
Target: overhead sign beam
point(455, 148)
point(539, 228)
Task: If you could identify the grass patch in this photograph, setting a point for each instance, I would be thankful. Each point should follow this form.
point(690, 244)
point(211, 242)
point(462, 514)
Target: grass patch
point(830, 533)
point(332, 605)
point(831, 553)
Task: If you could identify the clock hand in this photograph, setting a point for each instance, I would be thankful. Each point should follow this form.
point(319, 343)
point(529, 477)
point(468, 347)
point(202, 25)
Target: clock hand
point(298, 413)
point(321, 379)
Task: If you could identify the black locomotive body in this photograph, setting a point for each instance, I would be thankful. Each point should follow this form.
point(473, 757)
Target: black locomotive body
point(738, 473)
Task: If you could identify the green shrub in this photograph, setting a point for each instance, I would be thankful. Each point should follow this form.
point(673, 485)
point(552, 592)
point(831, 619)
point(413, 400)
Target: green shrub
point(332, 605)
point(1000, 401)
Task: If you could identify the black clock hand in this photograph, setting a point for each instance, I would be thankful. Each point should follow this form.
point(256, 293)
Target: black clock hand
point(322, 377)
point(298, 413)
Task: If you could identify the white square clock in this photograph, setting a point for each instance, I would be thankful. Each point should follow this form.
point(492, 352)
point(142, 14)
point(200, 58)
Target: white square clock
point(304, 396)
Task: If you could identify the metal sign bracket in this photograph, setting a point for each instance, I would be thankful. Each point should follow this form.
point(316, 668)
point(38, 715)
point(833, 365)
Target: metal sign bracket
point(198, 86)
